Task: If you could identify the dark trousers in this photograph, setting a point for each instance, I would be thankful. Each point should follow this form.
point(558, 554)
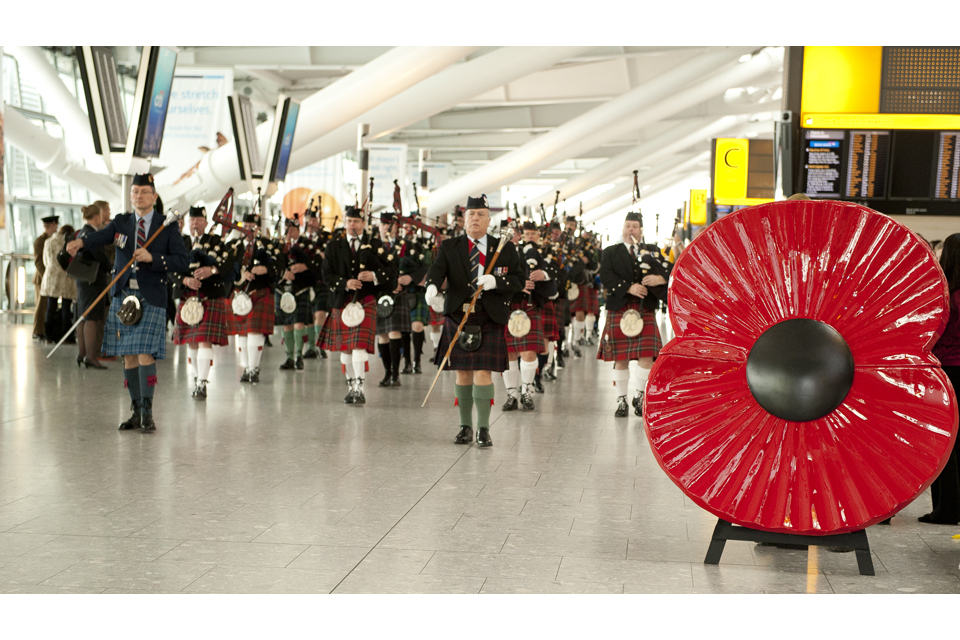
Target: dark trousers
point(945, 490)
point(58, 318)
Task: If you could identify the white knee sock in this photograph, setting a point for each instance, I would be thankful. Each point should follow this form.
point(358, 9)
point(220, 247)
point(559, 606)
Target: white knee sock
point(511, 379)
point(435, 336)
point(360, 363)
point(191, 364)
point(254, 349)
point(577, 330)
point(551, 352)
point(528, 371)
point(638, 377)
point(204, 362)
point(590, 321)
point(620, 379)
point(242, 351)
point(346, 363)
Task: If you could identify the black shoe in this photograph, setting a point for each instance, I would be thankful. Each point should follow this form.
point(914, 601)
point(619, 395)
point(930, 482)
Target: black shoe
point(929, 519)
point(526, 398)
point(266, 341)
point(133, 422)
point(483, 437)
point(638, 404)
point(582, 342)
point(590, 341)
point(549, 375)
point(621, 407)
point(90, 363)
point(511, 404)
point(287, 365)
point(255, 375)
point(387, 378)
point(351, 397)
point(394, 382)
point(559, 360)
point(407, 369)
point(537, 384)
point(323, 355)
point(359, 398)
point(310, 354)
point(576, 351)
point(465, 436)
point(146, 415)
point(566, 354)
point(79, 359)
point(299, 363)
point(246, 376)
point(200, 393)
point(416, 368)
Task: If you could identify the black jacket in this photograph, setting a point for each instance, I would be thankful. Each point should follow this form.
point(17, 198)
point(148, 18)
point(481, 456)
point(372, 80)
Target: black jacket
point(618, 271)
point(453, 263)
point(168, 251)
point(341, 265)
point(208, 251)
point(265, 254)
point(304, 251)
point(531, 260)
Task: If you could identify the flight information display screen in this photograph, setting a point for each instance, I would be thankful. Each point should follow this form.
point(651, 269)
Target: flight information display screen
point(868, 156)
point(823, 161)
point(948, 165)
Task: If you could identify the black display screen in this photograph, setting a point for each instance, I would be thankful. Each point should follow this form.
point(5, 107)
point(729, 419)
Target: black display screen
point(867, 157)
point(948, 165)
point(823, 162)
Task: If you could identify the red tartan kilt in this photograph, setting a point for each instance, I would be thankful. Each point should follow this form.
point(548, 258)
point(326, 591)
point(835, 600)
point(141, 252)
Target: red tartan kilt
point(616, 346)
point(436, 319)
point(259, 320)
point(588, 301)
point(336, 336)
point(213, 327)
point(533, 341)
point(550, 330)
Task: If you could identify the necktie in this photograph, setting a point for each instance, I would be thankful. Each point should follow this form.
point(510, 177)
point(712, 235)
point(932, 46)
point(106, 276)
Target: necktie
point(353, 245)
point(248, 252)
point(633, 251)
point(141, 233)
point(477, 260)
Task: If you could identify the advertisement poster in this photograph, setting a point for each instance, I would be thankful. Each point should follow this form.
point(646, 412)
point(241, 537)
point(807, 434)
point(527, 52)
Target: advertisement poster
point(198, 120)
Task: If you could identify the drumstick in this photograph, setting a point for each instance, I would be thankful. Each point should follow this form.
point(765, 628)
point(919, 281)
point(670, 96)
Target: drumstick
point(504, 239)
point(171, 218)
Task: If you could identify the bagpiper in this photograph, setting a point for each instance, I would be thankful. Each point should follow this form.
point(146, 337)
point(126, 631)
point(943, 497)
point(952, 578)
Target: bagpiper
point(393, 309)
point(320, 305)
point(481, 347)
point(202, 315)
point(354, 272)
point(635, 282)
point(298, 269)
point(136, 324)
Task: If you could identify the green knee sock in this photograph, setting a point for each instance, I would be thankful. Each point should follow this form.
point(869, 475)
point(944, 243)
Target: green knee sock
point(298, 340)
point(312, 331)
point(483, 400)
point(464, 395)
point(288, 338)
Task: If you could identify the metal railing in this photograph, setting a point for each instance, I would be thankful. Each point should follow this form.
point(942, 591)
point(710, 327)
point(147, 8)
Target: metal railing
point(14, 271)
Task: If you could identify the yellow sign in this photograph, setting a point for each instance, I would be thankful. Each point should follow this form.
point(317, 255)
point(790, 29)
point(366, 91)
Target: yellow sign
point(841, 79)
point(730, 170)
point(879, 121)
point(698, 207)
point(742, 202)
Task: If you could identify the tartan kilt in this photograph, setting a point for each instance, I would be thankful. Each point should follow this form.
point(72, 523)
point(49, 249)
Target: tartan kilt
point(588, 301)
point(213, 327)
point(492, 354)
point(149, 336)
point(321, 302)
point(550, 330)
point(302, 314)
point(260, 318)
point(421, 310)
point(399, 320)
point(616, 346)
point(336, 336)
point(533, 341)
point(436, 319)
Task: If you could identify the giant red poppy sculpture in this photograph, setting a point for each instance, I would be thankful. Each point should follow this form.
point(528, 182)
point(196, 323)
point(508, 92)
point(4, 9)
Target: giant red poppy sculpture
point(800, 395)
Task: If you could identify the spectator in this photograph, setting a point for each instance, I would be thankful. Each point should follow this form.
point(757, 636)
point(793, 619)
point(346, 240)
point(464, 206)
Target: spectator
point(56, 284)
point(50, 224)
point(90, 331)
point(945, 490)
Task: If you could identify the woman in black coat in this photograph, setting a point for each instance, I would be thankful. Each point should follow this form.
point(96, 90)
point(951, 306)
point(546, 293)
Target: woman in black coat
point(89, 334)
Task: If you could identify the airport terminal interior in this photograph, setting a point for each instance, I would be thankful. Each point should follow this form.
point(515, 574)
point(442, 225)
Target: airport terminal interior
point(282, 486)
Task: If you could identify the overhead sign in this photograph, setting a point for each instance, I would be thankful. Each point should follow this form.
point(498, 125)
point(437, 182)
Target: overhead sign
point(698, 207)
point(731, 173)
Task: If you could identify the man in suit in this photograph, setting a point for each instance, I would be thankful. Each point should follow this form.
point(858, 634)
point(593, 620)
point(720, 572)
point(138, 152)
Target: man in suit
point(635, 282)
point(299, 270)
point(50, 224)
point(354, 272)
point(462, 262)
point(145, 284)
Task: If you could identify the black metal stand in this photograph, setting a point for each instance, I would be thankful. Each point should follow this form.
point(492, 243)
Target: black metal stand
point(856, 540)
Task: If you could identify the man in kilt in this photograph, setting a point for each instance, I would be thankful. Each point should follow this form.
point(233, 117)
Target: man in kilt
point(584, 263)
point(390, 327)
point(436, 319)
point(413, 265)
point(320, 305)
point(537, 291)
point(145, 284)
point(210, 259)
point(562, 303)
point(462, 262)
point(633, 280)
point(299, 271)
point(354, 272)
point(256, 274)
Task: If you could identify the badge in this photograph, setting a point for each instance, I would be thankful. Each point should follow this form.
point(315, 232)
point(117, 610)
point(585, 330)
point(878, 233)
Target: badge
point(120, 240)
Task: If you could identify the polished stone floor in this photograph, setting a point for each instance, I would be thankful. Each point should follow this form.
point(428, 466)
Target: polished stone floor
point(280, 488)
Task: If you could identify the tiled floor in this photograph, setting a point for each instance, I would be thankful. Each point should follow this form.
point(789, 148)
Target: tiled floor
point(280, 488)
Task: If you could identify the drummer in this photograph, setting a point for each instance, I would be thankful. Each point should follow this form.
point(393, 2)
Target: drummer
point(462, 262)
point(635, 282)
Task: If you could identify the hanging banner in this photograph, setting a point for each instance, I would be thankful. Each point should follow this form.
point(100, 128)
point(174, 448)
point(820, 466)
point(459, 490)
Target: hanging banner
point(198, 120)
point(388, 162)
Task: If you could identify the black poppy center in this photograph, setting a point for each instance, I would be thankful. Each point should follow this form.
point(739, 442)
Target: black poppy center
point(800, 370)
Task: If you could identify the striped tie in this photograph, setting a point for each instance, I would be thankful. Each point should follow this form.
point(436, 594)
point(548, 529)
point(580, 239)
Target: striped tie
point(477, 260)
point(141, 234)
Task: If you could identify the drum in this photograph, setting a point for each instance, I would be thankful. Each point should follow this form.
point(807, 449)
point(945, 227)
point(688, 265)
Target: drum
point(631, 323)
point(192, 311)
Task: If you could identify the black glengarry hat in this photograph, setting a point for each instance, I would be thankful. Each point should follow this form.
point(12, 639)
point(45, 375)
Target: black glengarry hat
point(634, 216)
point(143, 180)
point(478, 203)
point(251, 217)
point(529, 225)
point(353, 212)
point(198, 212)
point(387, 217)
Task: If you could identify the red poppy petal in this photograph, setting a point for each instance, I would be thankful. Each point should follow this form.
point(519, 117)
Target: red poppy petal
point(859, 271)
point(866, 460)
